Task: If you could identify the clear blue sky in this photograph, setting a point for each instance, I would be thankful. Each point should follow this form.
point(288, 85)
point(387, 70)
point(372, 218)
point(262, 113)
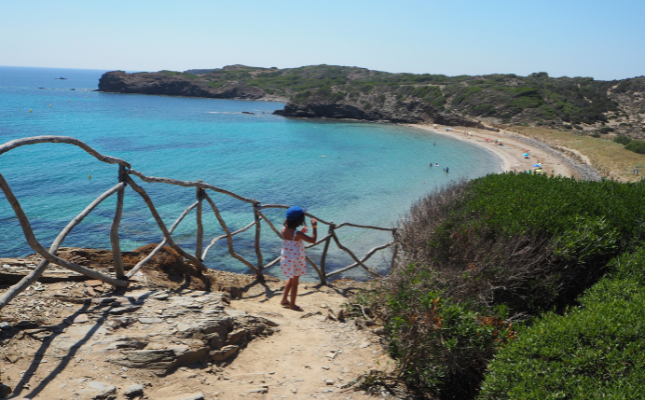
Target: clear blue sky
point(601, 39)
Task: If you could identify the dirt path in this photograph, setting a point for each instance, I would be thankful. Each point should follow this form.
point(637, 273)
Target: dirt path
point(311, 357)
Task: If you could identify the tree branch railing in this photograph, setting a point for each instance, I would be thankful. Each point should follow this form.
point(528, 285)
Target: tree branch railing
point(125, 174)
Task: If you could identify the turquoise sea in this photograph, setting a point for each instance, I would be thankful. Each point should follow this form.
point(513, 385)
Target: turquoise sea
point(364, 173)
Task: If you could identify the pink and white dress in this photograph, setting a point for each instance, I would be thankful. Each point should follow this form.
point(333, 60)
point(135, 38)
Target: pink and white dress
point(293, 260)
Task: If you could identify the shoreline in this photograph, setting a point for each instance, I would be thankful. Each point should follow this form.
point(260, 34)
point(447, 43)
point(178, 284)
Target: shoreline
point(511, 150)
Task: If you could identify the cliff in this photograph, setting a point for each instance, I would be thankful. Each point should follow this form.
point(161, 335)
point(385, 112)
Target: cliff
point(162, 83)
point(584, 105)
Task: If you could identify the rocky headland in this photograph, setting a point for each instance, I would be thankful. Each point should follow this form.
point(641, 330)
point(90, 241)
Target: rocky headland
point(582, 105)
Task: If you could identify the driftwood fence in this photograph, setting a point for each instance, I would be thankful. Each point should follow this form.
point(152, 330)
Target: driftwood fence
point(125, 175)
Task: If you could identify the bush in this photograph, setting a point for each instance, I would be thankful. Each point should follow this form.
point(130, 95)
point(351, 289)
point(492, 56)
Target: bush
point(498, 249)
point(606, 129)
point(622, 139)
point(592, 351)
point(636, 146)
point(442, 345)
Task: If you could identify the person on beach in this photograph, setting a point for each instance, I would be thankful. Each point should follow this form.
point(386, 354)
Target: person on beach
point(292, 260)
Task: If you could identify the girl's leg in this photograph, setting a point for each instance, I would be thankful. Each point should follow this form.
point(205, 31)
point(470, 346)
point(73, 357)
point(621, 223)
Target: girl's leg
point(285, 295)
point(294, 293)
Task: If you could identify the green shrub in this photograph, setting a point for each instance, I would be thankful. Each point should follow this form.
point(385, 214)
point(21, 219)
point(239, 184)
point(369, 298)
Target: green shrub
point(636, 146)
point(503, 247)
point(484, 110)
point(452, 341)
point(622, 139)
point(606, 129)
point(593, 351)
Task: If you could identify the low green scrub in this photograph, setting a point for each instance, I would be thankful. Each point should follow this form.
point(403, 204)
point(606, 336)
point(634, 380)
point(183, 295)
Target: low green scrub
point(624, 140)
point(593, 351)
point(478, 256)
point(636, 146)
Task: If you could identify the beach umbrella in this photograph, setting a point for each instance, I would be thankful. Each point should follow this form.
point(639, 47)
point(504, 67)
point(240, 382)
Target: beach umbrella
point(526, 154)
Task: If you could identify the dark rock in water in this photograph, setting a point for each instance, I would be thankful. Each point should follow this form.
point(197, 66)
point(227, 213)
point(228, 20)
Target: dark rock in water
point(41, 87)
point(72, 89)
point(61, 78)
point(246, 112)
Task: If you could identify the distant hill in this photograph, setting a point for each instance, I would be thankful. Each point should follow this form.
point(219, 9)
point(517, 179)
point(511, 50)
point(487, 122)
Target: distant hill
point(583, 104)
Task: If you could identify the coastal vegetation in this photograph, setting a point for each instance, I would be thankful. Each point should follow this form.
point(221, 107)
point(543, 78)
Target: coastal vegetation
point(582, 104)
point(486, 267)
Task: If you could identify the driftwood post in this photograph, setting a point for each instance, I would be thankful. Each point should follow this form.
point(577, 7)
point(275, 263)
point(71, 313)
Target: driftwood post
point(114, 231)
point(258, 251)
point(200, 227)
point(324, 254)
point(38, 248)
point(395, 251)
point(35, 274)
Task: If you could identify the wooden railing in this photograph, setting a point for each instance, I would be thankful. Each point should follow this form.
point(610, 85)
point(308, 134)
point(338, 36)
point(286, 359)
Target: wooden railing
point(125, 174)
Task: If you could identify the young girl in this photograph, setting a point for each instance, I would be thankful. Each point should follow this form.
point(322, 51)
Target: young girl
point(294, 264)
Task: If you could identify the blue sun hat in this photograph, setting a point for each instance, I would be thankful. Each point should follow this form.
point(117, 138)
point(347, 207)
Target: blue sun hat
point(294, 212)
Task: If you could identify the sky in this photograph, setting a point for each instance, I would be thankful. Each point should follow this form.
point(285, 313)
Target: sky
point(600, 39)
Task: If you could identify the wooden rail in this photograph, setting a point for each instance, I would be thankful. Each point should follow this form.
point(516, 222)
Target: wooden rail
point(124, 178)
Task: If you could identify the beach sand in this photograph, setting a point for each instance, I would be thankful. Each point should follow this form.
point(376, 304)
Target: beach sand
point(511, 151)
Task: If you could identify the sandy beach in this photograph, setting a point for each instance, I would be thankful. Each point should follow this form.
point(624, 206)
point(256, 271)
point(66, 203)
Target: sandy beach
point(509, 150)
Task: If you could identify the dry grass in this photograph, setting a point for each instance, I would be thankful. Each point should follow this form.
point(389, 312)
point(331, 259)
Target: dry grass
point(609, 158)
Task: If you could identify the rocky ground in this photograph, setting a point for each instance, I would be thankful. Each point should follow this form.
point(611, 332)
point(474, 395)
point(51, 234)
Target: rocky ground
point(165, 340)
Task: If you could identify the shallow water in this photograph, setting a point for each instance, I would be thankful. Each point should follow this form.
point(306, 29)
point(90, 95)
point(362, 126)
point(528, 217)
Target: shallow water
point(364, 173)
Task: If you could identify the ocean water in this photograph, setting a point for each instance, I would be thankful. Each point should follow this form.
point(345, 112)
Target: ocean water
point(341, 171)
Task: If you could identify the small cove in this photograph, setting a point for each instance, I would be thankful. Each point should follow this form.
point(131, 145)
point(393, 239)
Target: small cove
point(358, 172)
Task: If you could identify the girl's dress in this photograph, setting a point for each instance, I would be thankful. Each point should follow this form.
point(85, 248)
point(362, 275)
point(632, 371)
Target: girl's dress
point(293, 260)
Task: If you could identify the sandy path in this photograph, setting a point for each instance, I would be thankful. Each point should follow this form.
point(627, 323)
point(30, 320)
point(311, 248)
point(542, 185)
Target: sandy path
point(510, 151)
point(310, 357)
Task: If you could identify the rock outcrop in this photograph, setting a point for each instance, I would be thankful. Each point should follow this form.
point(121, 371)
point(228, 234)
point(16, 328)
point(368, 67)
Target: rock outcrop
point(175, 85)
point(411, 112)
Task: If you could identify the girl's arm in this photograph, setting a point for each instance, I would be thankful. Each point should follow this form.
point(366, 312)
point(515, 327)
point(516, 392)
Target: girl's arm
point(312, 238)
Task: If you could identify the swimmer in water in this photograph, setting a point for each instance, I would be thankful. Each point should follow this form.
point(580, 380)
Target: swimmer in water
point(436, 164)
